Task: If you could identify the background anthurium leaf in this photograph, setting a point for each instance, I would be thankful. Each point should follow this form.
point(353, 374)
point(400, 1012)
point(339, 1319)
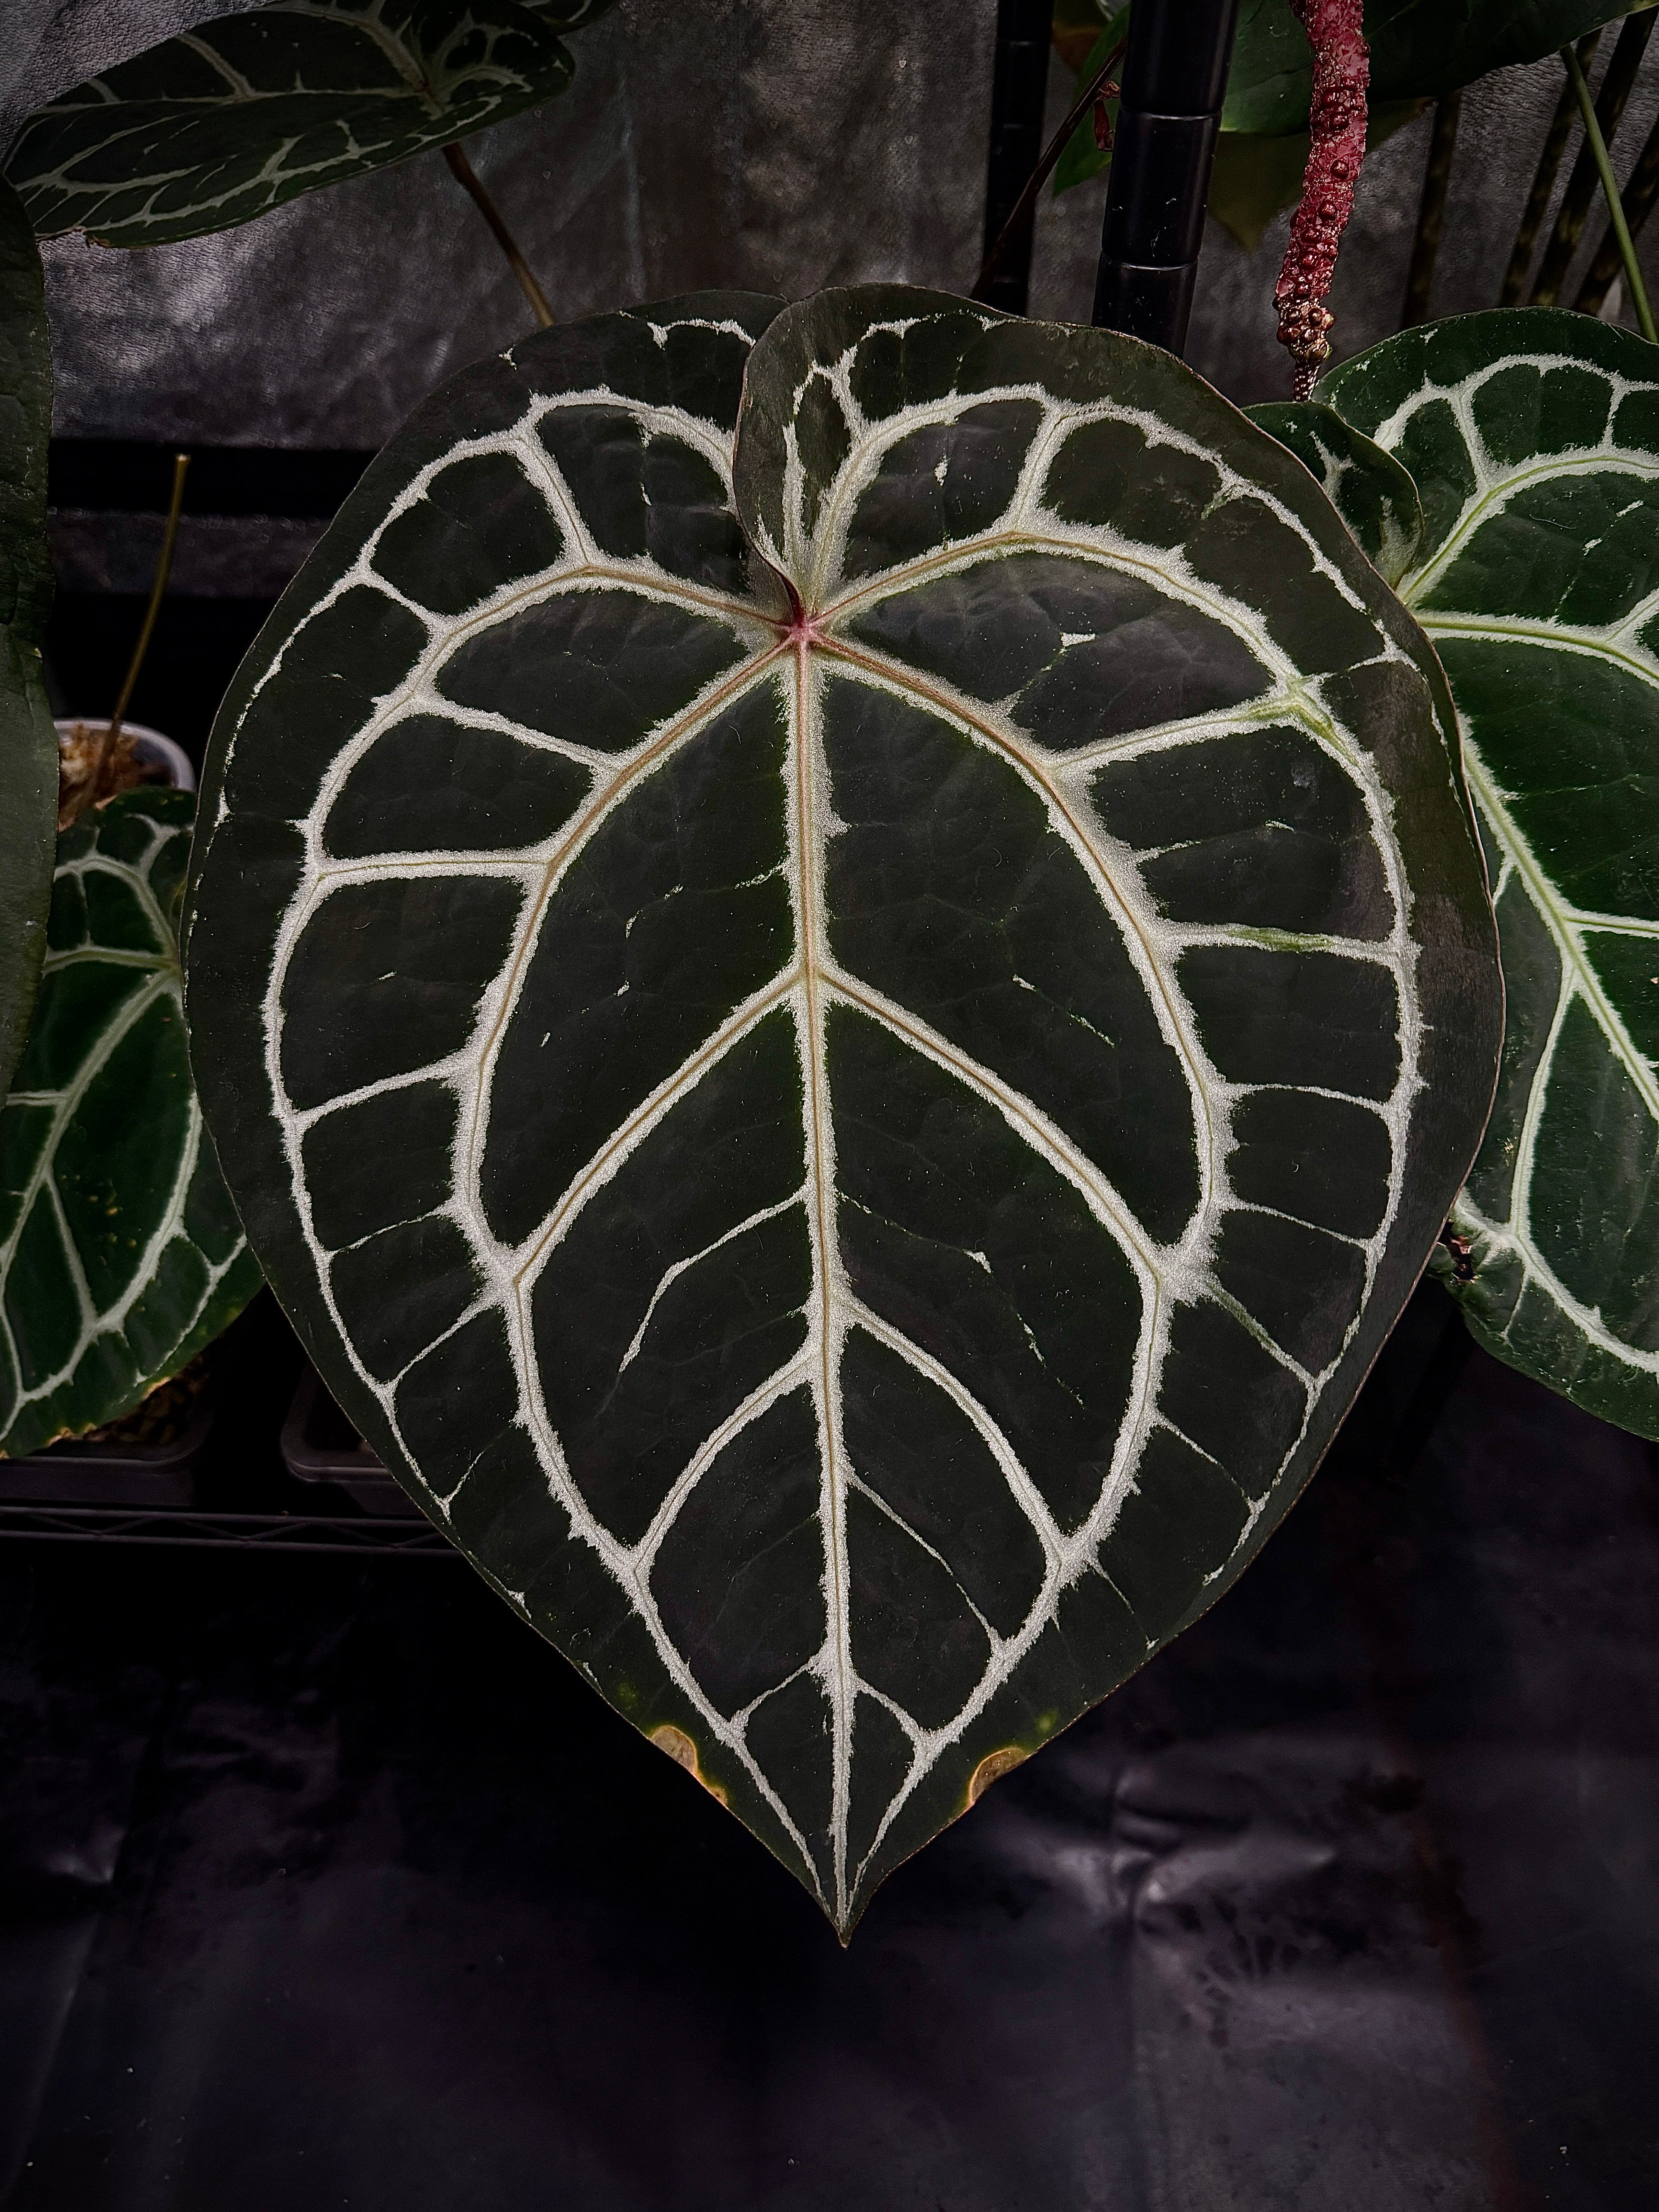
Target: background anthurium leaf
point(1083, 156)
point(1374, 496)
point(1076, 26)
point(28, 745)
point(1419, 48)
point(1254, 178)
point(231, 119)
point(120, 1253)
point(848, 1121)
point(1533, 436)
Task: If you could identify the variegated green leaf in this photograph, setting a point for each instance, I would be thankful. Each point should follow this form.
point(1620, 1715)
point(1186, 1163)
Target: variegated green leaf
point(1374, 496)
point(28, 743)
point(231, 119)
point(1533, 436)
point(844, 1076)
point(120, 1253)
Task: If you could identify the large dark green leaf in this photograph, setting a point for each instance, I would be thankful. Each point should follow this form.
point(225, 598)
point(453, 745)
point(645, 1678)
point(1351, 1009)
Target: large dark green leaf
point(1418, 48)
point(229, 120)
point(1533, 439)
point(848, 1121)
point(29, 745)
point(120, 1253)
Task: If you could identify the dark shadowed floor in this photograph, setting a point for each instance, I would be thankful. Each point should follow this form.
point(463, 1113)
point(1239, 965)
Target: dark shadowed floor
point(324, 1883)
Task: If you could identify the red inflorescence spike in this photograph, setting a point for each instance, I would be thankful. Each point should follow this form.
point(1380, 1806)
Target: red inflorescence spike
point(1342, 74)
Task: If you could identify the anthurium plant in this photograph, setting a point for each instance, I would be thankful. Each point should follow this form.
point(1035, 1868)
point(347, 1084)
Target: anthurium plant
point(1531, 560)
point(844, 959)
point(844, 971)
point(249, 111)
point(120, 1256)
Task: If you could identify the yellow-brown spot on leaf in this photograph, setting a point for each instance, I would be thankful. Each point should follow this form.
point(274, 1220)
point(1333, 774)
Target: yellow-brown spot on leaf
point(991, 1768)
point(684, 1752)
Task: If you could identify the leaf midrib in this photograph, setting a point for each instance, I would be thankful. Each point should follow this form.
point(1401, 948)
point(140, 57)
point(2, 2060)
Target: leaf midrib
point(1496, 494)
point(1563, 922)
point(1553, 637)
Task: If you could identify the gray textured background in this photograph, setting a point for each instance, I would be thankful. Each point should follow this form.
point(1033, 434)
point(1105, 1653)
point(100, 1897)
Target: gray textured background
point(775, 144)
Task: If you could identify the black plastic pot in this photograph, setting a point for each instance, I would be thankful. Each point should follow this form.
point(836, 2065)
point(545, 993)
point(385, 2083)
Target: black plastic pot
point(320, 1445)
point(82, 1471)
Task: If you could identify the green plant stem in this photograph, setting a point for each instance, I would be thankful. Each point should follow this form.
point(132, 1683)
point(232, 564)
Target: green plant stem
point(157, 592)
point(1598, 146)
point(1039, 176)
point(1580, 194)
point(1543, 182)
point(1637, 200)
point(1430, 210)
point(470, 183)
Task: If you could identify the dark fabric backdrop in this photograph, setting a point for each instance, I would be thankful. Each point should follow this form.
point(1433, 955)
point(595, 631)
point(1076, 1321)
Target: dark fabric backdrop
point(778, 145)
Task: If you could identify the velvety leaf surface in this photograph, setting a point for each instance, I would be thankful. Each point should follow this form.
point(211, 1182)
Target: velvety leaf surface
point(1418, 48)
point(1374, 496)
point(231, 119)
point(849, 1120)
point(28, 743)
point(120, 1253)
point(1533, 436)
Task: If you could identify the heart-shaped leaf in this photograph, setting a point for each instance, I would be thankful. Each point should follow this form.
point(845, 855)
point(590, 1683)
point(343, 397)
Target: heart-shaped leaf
point(848, 1120)
point(28, 743)
point(121, 1253)
point(1533, 436)
point(231, 119)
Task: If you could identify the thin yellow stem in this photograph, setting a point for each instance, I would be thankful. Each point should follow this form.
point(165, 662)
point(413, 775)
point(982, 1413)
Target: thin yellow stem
point(1598, 146)
point(157, 592)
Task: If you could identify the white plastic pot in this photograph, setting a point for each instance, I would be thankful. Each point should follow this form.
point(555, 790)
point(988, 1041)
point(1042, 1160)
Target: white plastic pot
point(149, 744)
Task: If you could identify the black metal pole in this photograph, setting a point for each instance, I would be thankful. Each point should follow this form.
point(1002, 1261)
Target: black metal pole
point(1019, 87)
point(1174, 77)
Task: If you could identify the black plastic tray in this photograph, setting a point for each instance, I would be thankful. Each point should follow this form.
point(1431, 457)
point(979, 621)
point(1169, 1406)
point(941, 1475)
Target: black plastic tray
point(79, 1471)
point(320, 1445)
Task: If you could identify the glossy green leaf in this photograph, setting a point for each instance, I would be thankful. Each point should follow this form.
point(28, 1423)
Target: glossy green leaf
point(1419, 48)
point(28, 745)
point(847, 1121)
point(120, 1253)
point(1533, 439)
point(231, 119)
point(1374, 496)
